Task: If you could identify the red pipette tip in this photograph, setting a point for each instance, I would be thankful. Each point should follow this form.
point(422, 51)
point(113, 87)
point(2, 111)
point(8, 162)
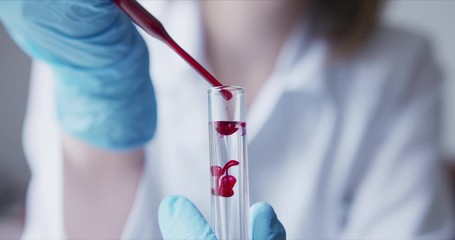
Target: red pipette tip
point(152, 26)
point(226, 94)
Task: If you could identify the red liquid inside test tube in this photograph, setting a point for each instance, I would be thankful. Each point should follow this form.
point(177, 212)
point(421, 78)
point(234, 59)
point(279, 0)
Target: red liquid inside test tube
point(228, 163)
point(152, 26)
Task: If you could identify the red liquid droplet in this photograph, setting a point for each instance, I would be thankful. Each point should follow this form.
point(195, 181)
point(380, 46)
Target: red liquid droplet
point(230, 164)
point(224, 187)
point(228, 180)
point(226, 191)
point(216, 171)
point(226, 127)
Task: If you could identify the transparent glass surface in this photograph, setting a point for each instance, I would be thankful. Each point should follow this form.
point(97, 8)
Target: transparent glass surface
point(228, 162)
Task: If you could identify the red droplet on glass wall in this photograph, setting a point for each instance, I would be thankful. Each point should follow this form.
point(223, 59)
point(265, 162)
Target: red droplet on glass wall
point(226, 127)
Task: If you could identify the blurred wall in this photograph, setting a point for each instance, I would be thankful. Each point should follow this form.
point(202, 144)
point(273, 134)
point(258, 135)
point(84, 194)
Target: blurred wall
point(14, 74)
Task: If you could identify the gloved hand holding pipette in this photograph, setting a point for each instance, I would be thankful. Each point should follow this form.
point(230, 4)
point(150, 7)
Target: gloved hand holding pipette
point(104, 93)
point(180, 219)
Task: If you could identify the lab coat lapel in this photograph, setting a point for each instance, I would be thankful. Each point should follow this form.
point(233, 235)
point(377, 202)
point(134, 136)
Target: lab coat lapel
point(300, 68)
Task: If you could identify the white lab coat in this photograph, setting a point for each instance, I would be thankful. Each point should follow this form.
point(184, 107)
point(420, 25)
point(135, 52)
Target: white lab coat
point(347, 150)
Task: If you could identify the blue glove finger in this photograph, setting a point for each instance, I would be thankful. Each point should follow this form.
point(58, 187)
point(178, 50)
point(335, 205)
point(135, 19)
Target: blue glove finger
point(264, 223)
point(180, 219)
point(103, 89)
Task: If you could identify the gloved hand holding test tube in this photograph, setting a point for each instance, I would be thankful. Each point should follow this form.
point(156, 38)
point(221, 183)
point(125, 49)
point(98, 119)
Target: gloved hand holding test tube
point(232, 218)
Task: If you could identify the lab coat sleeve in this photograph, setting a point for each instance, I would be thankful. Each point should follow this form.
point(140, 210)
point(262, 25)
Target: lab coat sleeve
point(44, 218)
point(403, 193)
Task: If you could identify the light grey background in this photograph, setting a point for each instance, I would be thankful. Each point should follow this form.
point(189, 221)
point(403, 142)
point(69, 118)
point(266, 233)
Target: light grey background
point(434, 18)
point(14, 74)
point(14, 174)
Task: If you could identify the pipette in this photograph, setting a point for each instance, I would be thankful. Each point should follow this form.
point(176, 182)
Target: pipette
point(152, 26)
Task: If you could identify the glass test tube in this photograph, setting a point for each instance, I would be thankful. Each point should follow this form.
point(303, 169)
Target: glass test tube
point(228, 163)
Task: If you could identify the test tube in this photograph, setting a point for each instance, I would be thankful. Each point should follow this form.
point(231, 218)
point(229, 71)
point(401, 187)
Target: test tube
point(228, 163)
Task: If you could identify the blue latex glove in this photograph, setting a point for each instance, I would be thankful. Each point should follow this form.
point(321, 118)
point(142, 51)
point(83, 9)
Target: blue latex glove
point(104, 94)
point(180, 219)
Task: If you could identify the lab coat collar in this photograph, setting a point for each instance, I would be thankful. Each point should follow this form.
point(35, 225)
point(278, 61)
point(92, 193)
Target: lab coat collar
point(299, 67)
point(301, 61)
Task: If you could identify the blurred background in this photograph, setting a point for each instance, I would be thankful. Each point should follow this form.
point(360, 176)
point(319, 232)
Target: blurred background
point(434, 18)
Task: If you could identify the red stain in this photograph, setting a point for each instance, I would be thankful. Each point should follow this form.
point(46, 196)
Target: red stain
point(226, 127)
point(224, 185)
